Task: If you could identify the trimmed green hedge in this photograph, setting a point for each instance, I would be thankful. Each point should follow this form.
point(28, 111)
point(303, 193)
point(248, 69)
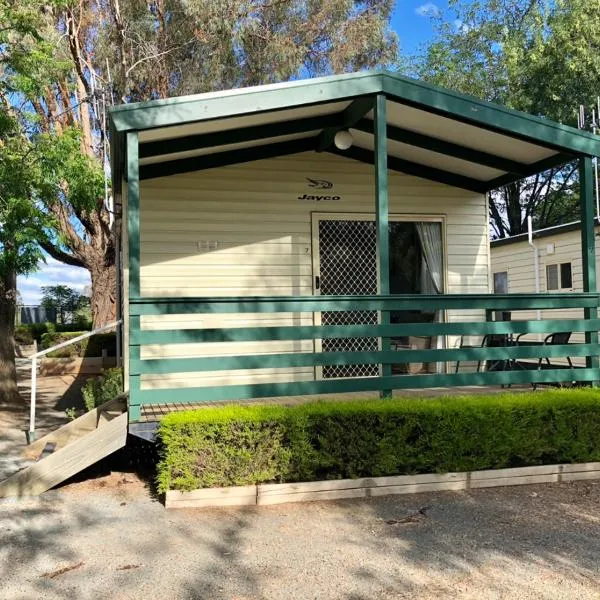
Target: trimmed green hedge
point(91, 346)
point(243, 445)
point(36, 330)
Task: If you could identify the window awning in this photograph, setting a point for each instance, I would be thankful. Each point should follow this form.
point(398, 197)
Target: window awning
point(432, 132)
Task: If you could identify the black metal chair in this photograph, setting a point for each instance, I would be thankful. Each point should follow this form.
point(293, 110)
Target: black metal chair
point(554, 339)
point(497, 340)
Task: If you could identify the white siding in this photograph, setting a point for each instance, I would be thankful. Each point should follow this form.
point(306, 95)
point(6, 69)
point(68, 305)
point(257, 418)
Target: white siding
point(263, 239)
point(517, 260)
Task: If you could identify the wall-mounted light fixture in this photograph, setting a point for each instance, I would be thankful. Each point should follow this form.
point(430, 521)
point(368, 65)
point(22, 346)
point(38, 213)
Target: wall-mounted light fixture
point(343, 139)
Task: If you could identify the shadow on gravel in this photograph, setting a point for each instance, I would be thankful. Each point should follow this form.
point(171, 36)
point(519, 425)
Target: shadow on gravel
point(555, 529)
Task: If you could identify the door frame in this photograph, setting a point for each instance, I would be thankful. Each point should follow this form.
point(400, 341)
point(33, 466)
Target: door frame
point(365, 216)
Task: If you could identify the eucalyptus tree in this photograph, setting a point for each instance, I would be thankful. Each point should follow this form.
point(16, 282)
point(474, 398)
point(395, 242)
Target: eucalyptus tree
point(63, 62)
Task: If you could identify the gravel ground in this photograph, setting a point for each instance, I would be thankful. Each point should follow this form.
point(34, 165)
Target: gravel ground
point(109, 538)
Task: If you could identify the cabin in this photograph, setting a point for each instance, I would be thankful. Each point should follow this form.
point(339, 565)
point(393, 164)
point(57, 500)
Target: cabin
point(330, 236)
point(549, 261)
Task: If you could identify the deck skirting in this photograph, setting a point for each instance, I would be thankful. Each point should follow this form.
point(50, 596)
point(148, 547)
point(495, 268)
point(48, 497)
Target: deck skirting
point(281, 493)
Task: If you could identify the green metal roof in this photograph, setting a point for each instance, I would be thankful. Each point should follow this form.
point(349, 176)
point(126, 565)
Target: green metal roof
point(267, 107)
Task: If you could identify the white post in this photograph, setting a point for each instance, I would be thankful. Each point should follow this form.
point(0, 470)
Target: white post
point(34, 360)
point(536, 266)
point(31, 434)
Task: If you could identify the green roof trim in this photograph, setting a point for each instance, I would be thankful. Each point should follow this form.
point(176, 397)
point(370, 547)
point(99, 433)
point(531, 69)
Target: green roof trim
point(245, 101)
point(357, 88)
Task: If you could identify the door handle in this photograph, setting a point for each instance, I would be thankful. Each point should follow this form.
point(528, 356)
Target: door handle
point(317, 282)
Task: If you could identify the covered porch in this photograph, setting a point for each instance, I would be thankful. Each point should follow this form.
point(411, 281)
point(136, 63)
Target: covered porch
point(391, 124)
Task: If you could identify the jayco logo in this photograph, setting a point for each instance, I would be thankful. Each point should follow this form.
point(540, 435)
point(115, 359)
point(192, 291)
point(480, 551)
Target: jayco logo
point(320, 184)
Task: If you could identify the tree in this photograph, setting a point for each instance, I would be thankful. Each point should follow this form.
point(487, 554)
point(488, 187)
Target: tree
point(65, 61)
point(19, 253)
point(530, 55)
point(63, 299)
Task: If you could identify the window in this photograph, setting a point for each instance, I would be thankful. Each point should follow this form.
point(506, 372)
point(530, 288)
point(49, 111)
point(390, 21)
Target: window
point(559, 277)
point(566, 280)
point(552, 277)
point(501, 282)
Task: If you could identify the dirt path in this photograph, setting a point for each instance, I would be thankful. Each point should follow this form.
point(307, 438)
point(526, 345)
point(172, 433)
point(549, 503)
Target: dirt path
point(54, 395)
point(108, 538)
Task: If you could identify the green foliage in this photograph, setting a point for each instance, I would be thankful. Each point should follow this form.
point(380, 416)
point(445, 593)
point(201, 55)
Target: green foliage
point(71, 413)
point(91, 346)
point(240, 445)
point(532, 55)
point(64, 299)
point(23, 335)
point(101, 389)
point(38, 329)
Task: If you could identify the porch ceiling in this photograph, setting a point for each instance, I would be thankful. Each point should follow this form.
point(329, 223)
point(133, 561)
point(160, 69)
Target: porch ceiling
point(432, 133)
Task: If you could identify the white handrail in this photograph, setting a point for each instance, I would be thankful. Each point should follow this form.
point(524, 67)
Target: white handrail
point(34, 357)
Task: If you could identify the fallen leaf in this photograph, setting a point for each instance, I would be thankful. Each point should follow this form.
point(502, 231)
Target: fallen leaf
point(53, 574)
point(128, 567)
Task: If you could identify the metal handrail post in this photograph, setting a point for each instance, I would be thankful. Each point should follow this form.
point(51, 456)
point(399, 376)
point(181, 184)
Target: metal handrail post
point(31, 432)
point(34, 360)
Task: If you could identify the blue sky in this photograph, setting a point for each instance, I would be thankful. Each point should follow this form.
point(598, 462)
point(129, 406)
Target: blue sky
point(411, 21)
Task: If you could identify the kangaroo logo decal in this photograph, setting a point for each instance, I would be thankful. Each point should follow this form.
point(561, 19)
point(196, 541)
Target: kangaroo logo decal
point(320, 184)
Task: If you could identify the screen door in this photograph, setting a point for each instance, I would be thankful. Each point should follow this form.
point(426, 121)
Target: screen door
point(347, 266)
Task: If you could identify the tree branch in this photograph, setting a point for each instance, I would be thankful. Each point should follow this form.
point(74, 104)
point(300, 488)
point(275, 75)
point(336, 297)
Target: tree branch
point(60, 255)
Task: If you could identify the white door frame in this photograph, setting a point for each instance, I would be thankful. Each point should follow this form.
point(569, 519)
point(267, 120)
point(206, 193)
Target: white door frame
point(364, 216)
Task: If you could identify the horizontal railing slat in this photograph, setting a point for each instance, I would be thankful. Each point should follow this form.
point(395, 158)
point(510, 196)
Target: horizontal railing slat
point(277, 304)
point(306, 332)
point(310, 359)
point(364, 384)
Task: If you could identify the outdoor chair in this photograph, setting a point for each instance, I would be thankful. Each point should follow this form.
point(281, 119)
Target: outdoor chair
point(554, 339)
point(489, 340)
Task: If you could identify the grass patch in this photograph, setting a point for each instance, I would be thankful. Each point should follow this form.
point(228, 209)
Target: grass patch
point(248, 444)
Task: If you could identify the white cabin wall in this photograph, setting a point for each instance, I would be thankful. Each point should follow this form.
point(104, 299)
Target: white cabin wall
point(242, 231)
point(517, 259)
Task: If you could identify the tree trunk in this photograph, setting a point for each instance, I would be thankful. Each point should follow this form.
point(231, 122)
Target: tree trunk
point(104, 291)
point(9, 393)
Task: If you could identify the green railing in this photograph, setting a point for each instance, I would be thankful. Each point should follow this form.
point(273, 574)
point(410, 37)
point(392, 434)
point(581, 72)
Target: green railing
point(139, 307)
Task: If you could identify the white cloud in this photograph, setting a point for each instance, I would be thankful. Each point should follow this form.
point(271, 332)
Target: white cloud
point(429, 9)
point(461, 26)
point(51, 273)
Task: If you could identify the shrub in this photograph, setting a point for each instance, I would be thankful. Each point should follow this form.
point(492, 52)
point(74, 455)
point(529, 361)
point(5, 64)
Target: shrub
point(91, 346)
point(101, 389)
point(23, 335)
point(241, 445)
point(39, 329)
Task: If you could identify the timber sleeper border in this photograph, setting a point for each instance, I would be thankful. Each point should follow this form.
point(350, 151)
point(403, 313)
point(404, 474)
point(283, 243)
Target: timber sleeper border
point(281, 493)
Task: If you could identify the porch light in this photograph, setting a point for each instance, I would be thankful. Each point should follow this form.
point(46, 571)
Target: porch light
point(343, 140)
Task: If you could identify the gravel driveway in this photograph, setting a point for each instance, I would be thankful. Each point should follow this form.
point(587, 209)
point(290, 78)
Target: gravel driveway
point(109, 538)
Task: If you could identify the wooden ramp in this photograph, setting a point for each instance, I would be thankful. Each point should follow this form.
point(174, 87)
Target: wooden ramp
point(70, 449)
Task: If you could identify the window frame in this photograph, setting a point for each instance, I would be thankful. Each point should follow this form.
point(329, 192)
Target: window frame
point(505, 273)
point(559, 268)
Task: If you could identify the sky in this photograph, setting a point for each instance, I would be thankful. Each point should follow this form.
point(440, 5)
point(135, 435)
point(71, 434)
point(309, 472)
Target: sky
point(412, 23)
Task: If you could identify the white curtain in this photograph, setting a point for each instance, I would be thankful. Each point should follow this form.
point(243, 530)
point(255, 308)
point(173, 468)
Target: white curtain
point(430, 236)
point(432, 278)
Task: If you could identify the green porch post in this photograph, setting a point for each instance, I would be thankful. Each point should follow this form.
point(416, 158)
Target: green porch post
point(382, 219)
point(588, 247)
point(133, 232)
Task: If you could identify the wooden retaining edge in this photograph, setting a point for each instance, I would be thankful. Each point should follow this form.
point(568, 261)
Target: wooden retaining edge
point(368, 487)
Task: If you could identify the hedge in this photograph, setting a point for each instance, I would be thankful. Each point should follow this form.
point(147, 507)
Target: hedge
point(36, 330)
point(103, 388)
point(91, 346)
point(244, 445)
